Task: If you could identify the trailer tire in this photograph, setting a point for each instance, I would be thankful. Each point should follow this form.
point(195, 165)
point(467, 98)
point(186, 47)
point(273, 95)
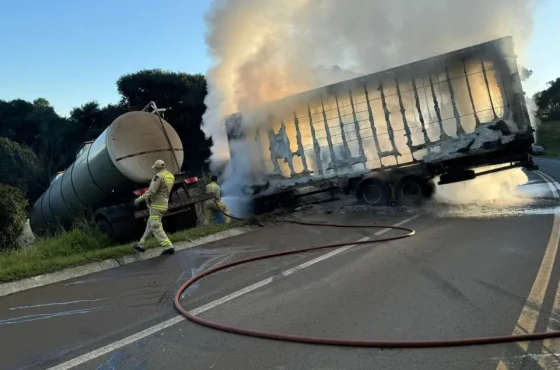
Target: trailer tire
point(105, 227)
point(413, 191)
point(181, 221)
point(429, 189)
point(373, 192)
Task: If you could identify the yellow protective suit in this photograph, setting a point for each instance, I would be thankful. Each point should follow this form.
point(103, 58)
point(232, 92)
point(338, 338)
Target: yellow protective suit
point(157, 200)
point(210, 205)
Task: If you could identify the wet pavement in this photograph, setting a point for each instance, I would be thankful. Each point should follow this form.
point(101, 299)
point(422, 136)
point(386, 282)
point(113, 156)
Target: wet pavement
point(549, 166)
point(82, 313)
point(467, 272)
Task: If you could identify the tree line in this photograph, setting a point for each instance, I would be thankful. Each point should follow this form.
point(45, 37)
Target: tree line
point(548, 102)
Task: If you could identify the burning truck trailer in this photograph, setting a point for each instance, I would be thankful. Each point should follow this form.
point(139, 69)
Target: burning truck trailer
point(387, 135)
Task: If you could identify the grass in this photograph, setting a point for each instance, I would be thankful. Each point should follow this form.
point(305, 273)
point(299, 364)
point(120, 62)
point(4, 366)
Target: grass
point(548, 136)
point(79, 247)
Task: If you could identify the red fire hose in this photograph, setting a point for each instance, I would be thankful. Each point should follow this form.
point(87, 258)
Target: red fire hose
point(338, 341)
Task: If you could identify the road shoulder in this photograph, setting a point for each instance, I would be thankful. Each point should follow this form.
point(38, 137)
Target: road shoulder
point(79, 271)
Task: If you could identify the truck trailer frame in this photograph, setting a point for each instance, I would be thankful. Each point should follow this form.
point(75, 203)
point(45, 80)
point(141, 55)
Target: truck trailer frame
point(388, 134)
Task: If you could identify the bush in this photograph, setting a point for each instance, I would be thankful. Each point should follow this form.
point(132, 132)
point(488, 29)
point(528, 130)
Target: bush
point(548, 136)
point(12, 216)
point(18, 164)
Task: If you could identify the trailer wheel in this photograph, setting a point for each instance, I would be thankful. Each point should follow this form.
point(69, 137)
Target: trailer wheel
point(105, 227)
point(373, 192)
point(181, 221)
point(287, 199)
point(413, 191)
point(429, 189)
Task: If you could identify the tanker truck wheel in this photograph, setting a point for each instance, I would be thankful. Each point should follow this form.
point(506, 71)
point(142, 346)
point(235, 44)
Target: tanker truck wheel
point(181, 221)
point(105, 227)
point(373, 192)
point(413, 191)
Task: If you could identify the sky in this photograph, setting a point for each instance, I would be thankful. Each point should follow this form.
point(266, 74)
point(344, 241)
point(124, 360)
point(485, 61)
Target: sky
point(73, 51)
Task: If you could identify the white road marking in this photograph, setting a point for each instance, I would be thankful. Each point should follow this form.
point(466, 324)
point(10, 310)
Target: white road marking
point(532, 309)
point(57, 304)
point(166, 324)
point(44, 316)
point(552, 184)
point(549, 357)
point(532, 356)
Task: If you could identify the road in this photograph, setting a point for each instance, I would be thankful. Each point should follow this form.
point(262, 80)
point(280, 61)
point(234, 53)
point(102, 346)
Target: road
point(549, 166)
point(469, 272)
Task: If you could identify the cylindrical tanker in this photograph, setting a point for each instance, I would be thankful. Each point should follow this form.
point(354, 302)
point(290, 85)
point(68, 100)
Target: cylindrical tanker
point(117, 162)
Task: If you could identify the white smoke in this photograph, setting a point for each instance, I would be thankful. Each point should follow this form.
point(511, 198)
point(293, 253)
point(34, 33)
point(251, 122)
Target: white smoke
point(264, 50)
point(499, 188)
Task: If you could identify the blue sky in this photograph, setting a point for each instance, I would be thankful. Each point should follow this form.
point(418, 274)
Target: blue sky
point(542, 54)
point(73, 51)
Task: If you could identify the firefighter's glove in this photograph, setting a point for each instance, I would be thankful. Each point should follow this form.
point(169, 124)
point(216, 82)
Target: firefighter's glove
point(137, 201)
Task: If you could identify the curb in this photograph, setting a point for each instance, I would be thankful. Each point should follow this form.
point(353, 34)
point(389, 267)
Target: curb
point(74, 272)
point(546, 157)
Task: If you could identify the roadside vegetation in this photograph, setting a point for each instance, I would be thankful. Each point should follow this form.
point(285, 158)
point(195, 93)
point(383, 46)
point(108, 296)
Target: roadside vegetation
point(548, 136)
point(548, 113)
point(12, 215)
point(80, 246)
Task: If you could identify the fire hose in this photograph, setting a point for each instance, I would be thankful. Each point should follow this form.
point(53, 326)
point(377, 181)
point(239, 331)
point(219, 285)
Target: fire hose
point(337, 341)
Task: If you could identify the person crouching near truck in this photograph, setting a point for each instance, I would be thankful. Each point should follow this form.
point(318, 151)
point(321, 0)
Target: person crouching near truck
point(214, 204)
point(157, 199)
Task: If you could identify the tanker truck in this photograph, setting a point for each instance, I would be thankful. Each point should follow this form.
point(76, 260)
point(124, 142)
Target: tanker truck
point(114, 169)
point(386, 136)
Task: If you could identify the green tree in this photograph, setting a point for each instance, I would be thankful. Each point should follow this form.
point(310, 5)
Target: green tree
point(16, 122)
point(38, 126)
point(90, 120)
point(54, 139)
point(548, 102)
point(18, 164)
point(12, 216)
point(183, 95)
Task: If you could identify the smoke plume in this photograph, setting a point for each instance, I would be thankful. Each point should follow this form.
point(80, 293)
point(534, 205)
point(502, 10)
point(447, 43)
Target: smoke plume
point(264, 50)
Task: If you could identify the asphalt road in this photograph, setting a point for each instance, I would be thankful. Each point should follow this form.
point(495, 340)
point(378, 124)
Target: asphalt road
point(475, 271)
point(549, 166)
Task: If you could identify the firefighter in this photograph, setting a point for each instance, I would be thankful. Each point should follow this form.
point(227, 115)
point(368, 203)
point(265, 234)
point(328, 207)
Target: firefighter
point(157, 198)
point(210, 205)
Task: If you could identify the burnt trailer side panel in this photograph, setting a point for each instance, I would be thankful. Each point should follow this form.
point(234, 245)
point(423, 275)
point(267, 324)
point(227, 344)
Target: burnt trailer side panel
point(462, 109)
